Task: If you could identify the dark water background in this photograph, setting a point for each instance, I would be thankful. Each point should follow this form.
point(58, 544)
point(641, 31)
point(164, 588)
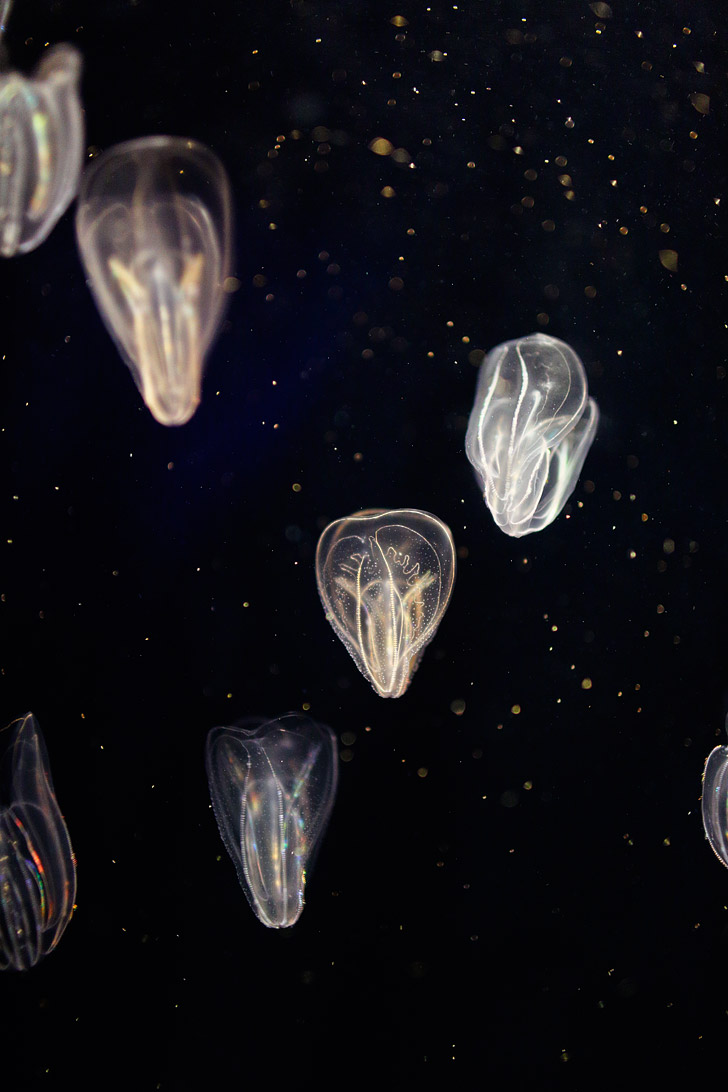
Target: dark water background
point(516, 897)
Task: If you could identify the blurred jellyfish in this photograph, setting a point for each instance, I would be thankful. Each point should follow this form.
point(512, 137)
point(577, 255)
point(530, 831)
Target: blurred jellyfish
point(41, 148)
point(37, 865)
point(154, 224)
point(715, 801)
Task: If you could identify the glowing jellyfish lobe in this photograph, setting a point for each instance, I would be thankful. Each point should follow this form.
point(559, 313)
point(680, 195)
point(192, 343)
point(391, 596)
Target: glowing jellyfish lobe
point(154, 228)
point(41, 148)
point(272, 786)
point(715, 801)
point(385, 580)
point(37, 865)
point(530, 430)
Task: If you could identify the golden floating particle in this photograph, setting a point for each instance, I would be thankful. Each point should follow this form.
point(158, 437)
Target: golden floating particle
point(669, 259)
point(542, 318)
point(665, 229)
point(601, 10)
point(565, 62)
point(530, 174)
point(515, 709)
point(668, 546)
point(296, 487)
point(701, 102)
point(230, 284)
point(387, 191)
point(590, 291)
point(457, 706)
point(565, 179)
point(561, 161)
point(380, 146)
point(436, 55)
point(586, 684)
point(399, 21)
point(699, 67)
point(548, 225)
point(422, 772)
point(527, 202)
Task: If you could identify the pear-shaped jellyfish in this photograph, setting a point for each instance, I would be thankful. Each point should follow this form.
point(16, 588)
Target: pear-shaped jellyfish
point(273, 785)
point(154, 225)
point(385, 580)
point(37, 866)
point(530, 429)
point(41, 148)
point(715, 801)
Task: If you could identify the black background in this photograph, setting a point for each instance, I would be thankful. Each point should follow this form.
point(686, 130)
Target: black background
point(522, 897)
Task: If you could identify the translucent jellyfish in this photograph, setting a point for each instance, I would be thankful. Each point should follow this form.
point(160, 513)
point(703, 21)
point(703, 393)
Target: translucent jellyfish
point(715, 801)
point(41, 148)
point(272, 786)
point(385, 580)
point(154, 224)
point(530, 429)
point(37, 866)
